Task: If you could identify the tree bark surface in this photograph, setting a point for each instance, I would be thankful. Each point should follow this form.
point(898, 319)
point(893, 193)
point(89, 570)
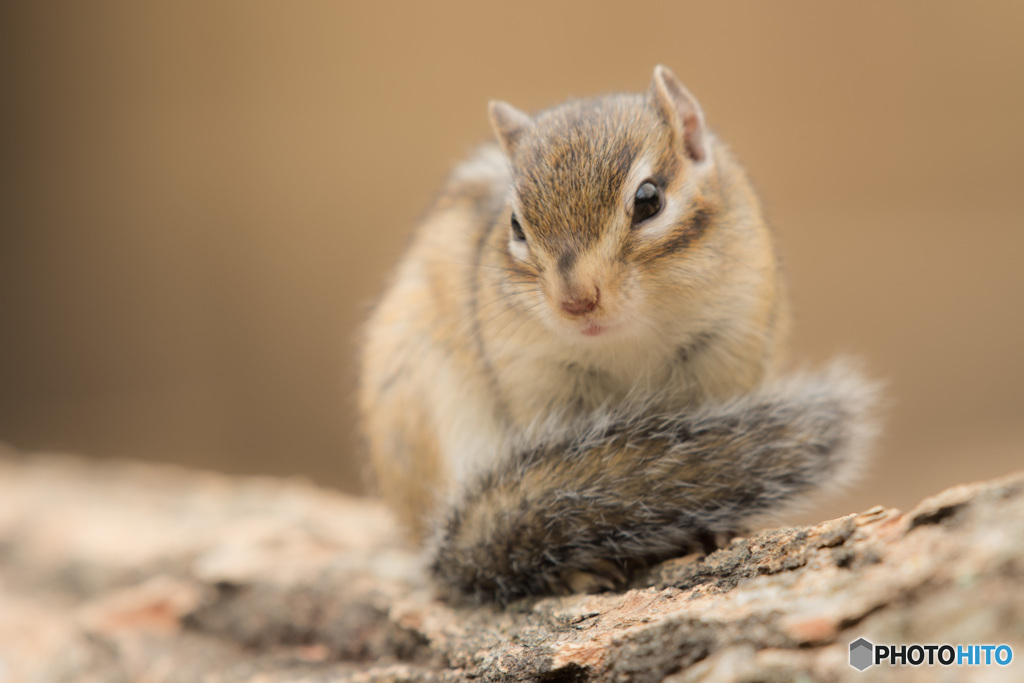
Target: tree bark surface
point(117, 571)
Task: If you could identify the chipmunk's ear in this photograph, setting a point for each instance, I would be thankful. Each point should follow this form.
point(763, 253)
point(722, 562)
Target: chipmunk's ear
point(509, 124)
point(681, 110)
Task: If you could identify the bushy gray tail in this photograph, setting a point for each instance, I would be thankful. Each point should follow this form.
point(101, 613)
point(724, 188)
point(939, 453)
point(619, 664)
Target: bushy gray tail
point(630, 488)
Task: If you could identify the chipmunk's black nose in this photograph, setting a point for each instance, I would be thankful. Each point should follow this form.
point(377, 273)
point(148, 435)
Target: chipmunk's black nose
point(580, 304)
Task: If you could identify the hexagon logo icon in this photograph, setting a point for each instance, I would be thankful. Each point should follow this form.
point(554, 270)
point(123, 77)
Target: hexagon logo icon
point(861, 654)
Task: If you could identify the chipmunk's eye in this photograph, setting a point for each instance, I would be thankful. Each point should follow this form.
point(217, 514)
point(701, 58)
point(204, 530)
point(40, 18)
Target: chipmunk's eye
point(646, 202)
point(517, 230)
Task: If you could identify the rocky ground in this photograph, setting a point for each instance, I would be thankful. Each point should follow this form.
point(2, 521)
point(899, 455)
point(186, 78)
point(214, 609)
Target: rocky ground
point(131, 572)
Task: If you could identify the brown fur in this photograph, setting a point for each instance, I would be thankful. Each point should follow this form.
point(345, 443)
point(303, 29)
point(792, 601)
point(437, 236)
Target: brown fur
point(493, 400)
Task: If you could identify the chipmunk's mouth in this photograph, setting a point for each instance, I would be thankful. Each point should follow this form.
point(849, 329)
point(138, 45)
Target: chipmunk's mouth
point(593, 329)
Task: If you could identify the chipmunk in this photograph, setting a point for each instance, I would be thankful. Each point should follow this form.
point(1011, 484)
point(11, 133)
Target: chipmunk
point(575, 371)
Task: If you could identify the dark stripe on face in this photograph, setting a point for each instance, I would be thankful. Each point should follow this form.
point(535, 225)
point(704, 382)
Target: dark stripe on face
point(566, 261)
point(688, 231)
point(668, 167)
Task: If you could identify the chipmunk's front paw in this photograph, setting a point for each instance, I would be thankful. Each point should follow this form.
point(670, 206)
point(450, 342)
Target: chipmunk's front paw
point(600, 576)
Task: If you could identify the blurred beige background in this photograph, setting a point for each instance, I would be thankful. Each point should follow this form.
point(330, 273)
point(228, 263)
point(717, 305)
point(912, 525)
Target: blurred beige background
point(201, 200)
